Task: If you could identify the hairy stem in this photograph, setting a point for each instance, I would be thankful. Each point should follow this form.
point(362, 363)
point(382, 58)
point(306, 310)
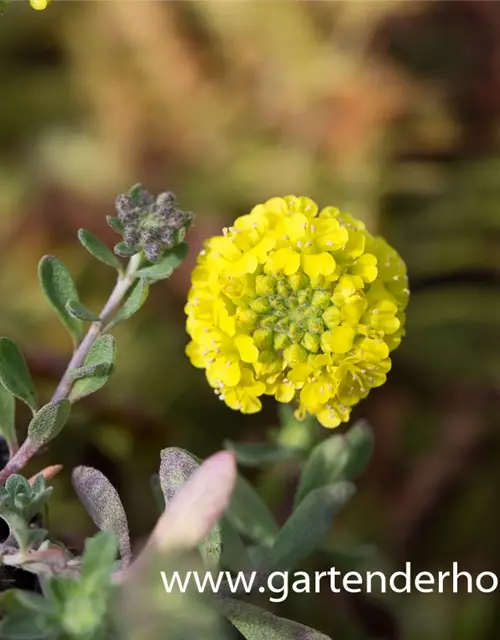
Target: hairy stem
point(123, 284)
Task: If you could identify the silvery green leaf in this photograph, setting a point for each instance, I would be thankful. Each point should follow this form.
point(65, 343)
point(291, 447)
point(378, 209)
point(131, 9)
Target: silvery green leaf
point(155, 272)
point(136, 298)
point(339, 457)
point(38, 486)
point(176, 256)
point(98, 249)
point(167, 264)
point(196, 508)
point(102, 352)
point(77, 310)
point(308, 525)
point(90, 370)
point(17, 484)
point(254, 454)
point(248, 513)
point(7, 418)
point(116, 224)
point(58, 286)
point(258, 624)
point(103, 504)
point(48, 422)
point(14, 373)
point(125, 250)
point(176, 467)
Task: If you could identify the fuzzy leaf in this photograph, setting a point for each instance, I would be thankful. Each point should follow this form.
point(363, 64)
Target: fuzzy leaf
point(102, 353)
point(58, 286)
point(136, 298)
point(125, 250)
point(258, 624)
point(17, 484)
point(103, 504)
point(90, 370)
point(249, 514)
point(155, 272)
point(116, 224)
point(176, 467)
point(197, 507)
point(98, 249)
point(339, 457)
point(166, 265)
point(14, 373)
point(306, 528)
point(77, 310)
point(254, 454)
point(48, 422)
point(7, 417)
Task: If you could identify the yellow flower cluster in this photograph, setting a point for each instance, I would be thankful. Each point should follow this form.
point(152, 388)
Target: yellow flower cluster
point(39, 5)
point(297, 303)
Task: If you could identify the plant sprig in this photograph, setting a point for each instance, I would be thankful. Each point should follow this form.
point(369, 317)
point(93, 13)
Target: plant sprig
point(153, 231)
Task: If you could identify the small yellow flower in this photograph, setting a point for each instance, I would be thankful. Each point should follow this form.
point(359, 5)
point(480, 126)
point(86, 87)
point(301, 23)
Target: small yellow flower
point(300, 304)
point(39, 5)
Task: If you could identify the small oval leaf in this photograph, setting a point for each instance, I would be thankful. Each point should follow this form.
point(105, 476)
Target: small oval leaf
point(306, 528)
point(156, 272)
point(339, 457)
point(103, 504)
point(125, 250)
point(58, 286)
point(103, 354)
point(48, 422)
point(116, 224)
point(254, 454)
point(136, 298)
point(249, 514)
point(7, 418)
point(77, 310)
point(195, 509)
point(176, 468)
point(14, 373)
point(98, 249)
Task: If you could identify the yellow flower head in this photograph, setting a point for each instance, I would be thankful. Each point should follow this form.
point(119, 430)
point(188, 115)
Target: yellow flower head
point(39, 5)
point(300, 304)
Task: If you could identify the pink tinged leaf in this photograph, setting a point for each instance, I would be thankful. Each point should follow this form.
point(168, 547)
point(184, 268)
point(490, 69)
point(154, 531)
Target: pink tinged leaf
point(198, 505)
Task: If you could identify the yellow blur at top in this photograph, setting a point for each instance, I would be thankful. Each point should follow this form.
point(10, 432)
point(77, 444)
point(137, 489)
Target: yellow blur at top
point(39, 5)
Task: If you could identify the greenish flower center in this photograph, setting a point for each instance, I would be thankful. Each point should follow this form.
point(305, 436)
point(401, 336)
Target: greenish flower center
point(285, 315)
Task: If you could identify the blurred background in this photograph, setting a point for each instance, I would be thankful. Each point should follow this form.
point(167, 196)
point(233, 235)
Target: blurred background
point(389, 110)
